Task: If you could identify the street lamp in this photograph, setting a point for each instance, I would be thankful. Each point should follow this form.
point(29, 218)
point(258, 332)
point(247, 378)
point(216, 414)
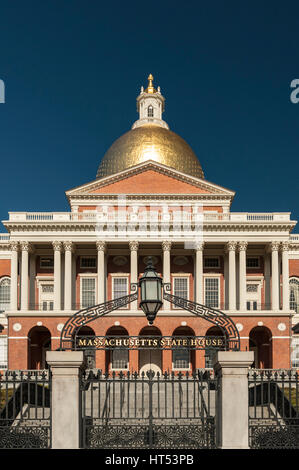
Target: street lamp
point(150, 292)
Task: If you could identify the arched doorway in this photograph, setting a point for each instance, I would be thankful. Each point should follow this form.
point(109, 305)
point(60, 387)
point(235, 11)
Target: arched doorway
point(89, 354)
point(39, 342)
point(117, 359)
point(183, 358)
point(210, 354)
point(260, 343)
point(150, 359)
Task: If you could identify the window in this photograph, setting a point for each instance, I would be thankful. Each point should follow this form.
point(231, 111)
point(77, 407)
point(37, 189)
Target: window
point(180, 288)
point(251, 305)
point(120, 359)
point(4, 293)
point(46, 262)
point(252, 262)
point(88, 262)
point(181, 359)
point(252, 288)
point(295, 351)
point(150, 111)
point(46, 295)
point(88, 292)
point(212, 292)
point(211, 262)
point(3, 352)
point(120, 287)
point(294, 294)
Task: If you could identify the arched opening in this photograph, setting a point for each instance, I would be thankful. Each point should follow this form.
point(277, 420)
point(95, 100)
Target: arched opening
point(183, 358)
point(150, 111)
point(4, 293)
point(260, 343)
point(150, 358)
point(210, 354)
point(294, 294)
point(117, 359)
point(89, 354)
point(39, 342)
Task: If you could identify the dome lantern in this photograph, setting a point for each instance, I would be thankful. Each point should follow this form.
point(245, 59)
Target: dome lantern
point(150, 106)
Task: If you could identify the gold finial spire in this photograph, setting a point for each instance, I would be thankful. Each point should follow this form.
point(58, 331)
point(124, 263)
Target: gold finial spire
point(150, 88)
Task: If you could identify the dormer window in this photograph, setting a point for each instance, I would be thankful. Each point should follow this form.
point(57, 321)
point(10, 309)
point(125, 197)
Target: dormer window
point(150, 111)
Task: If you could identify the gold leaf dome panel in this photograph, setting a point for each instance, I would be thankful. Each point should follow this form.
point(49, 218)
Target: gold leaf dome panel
point(150, 142)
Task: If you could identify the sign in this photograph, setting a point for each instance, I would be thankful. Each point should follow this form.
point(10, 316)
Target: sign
point(151, 342)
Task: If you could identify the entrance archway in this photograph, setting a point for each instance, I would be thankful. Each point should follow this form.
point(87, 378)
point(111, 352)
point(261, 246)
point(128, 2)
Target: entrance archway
point(210, 353)
point(89, 354)
point(117, 359)
point(150, 358)
point(183, 358)
point(260, 343)
point(39, 342)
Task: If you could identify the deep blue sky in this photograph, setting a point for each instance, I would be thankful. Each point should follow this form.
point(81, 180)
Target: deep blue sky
point(73, 69)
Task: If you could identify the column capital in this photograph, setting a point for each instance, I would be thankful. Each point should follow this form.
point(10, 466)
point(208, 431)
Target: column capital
point(14, 246)
point(133, 245)
point(166, 245)
point(242, 246)
point(57, 245)
point(274, 245)
point(68, 246)
point(26, 246)
point(285, 246)
point(231, 246)
point(199, 246)
point(101, 245)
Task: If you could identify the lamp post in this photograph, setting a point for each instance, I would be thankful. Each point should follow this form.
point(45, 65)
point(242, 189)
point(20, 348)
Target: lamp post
point(150, 285)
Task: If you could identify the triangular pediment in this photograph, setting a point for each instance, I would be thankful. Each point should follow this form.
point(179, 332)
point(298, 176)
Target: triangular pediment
point(150, 178)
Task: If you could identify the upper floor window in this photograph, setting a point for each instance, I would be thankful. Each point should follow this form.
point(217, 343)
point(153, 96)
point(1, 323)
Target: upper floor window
point(252, 262)
point(294, 294)
point(88, 262)
point(211, 262)
point(181, 287)
point(150, 111)
point(88, 292)
point(4, 293)
point(212, 292)
point(46, 262)
point(119, 287)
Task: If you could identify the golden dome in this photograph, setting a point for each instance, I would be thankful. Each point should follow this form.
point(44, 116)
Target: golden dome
point(150, 142)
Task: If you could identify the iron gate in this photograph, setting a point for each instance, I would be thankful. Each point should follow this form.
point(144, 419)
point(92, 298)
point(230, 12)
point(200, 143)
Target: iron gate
point(25, 411)
point(150, 410)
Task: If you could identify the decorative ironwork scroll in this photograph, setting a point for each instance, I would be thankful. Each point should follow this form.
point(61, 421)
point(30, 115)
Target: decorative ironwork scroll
point(212, 315)
point(87, 315)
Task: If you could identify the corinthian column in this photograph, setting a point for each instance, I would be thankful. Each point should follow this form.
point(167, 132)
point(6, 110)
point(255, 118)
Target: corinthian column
point(57, 246)
point(199, 272)
point(242, 274)
point(231, 248)
point(68, 249)
point(25, 247)
point(275, 275)
point(285, 276)
point(134, 266)
point(14, 246)
point(166, 246)
point(101, 248)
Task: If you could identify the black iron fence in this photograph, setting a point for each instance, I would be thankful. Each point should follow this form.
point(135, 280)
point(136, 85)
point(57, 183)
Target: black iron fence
point(148, 410)
point(25, 412)
point(273, 409)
